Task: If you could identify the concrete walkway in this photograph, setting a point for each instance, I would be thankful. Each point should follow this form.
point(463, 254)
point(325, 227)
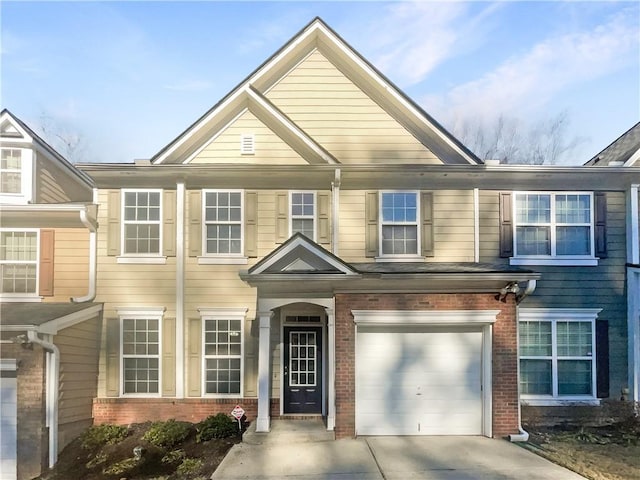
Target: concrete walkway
point(305, 451)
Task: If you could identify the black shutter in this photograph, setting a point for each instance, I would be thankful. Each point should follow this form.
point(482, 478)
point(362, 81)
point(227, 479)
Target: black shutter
point(602, 359)
point(600, 200)
point(506, 226)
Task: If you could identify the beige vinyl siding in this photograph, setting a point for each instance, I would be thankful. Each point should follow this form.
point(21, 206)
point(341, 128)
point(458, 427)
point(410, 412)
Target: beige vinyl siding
point(452, 223)
point(269, 148)
point(56, 185)
point(71, 264)
point(342, 118)
point(79, 347)
point(602, 286)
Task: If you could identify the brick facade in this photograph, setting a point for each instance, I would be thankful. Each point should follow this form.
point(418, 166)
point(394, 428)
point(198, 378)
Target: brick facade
point(504, 356)
point(33, 440)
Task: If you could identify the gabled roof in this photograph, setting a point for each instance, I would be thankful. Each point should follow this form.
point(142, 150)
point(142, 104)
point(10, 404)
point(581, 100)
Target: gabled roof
point(21, 132)
point(624, 151)
point(317, 35)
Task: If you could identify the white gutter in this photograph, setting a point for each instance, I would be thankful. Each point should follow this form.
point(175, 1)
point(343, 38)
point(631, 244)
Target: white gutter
point(522, 435)
point(633, 226)
point(476, 225)
point(53, 375)
point(335, 203)
point(180, 194)
point(93, 254)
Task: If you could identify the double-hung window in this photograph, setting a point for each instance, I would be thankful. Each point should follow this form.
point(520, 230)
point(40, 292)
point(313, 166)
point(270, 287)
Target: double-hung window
point(223, 222)
point(399, 232)
point(557, 354)
point(11, 170)
point(223, 349)
point(554, 225)
point(141, 354)
point(303, 214)
point(141, 217)
point(19, 262)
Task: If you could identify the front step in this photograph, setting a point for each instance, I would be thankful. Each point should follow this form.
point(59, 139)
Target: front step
point(290, 431)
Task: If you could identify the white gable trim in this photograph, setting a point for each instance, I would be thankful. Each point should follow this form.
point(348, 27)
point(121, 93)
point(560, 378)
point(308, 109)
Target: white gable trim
point(633, 159)
point(24, 136)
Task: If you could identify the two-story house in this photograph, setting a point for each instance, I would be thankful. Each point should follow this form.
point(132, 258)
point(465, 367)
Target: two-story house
point(317, 244)
point(49, 326)
point(624, 153)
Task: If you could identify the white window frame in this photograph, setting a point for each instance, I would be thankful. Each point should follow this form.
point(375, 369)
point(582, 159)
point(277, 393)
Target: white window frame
point(221, 258)
point(397, 256)
point(17, 296)
point(141, 257)
point(313, 217)
point(144, 313)
point(221, 314)
point(553, 316)
point(26, 178)
point(553, 259)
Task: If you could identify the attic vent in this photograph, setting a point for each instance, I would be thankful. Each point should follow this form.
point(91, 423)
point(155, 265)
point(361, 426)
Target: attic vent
point(247, 144)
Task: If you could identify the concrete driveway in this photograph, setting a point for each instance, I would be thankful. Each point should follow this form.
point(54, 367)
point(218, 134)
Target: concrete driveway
point(291, 457)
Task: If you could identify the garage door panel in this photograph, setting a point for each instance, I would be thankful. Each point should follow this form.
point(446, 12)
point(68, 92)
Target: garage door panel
point(418, 381)
point(8, 427)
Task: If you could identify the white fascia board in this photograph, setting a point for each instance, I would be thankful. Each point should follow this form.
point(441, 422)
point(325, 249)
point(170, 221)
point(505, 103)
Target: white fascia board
point(52, 327)
point(633, 159)
point(424, 317)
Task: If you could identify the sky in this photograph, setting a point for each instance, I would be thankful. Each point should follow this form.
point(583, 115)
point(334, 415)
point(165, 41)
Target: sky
point(126, 78)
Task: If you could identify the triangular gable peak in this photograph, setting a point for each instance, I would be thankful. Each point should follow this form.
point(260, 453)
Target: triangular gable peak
point(299, 255)
point(250, 99)
point(622, 152)
point(11, 129)
point(318, 36)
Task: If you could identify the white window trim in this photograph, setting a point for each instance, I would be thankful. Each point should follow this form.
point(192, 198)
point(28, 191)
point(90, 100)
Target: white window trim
point(26, 179)
point(554, 315)
point(396, 257)
point(313, 217)
point(133, 313)
point(221, 258)
point(24, 297)
point(143, 258)
point(207, 313)
point(555, 260)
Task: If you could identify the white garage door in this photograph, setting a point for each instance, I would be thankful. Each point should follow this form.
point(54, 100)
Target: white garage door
point(8, 421)
point(418, 380)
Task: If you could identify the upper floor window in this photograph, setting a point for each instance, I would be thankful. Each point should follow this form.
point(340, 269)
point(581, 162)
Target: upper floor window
point(19, 262)
point(11, 170)
point(557, 354)
point(141, 354)
point(141, 217)
point(223, 222)
point(303, 213)
point(399, 214)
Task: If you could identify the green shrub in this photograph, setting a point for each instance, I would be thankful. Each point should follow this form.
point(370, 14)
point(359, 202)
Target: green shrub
point(173, 456)
point(189, 466)
point(167, 434)
point(100, 435)
point(101, 457)
point(121, 467)
point(216, 426)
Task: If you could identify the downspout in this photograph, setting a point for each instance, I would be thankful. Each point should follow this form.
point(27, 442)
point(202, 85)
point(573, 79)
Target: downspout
point(522, 435)
point(476, 225)
point(93, 254)
point(633, 295)
point(335, 203)
point(53, 375)
point(180, 194)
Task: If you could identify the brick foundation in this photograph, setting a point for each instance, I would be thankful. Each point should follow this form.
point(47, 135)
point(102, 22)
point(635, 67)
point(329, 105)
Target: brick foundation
point(505, 358)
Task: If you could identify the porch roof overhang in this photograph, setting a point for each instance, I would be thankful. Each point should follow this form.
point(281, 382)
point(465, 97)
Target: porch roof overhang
point(370, 176)
point(394, 278)
point(58, 215)
point(47, 318)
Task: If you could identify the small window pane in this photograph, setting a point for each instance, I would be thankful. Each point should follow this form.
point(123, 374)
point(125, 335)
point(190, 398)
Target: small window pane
point(573, 240)
point(535, 339)
point(535, 377)
point(574, 377)
point(574, 339)
point(399, 239)
point(533, 241)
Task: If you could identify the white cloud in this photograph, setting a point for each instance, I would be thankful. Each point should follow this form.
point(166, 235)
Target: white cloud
point(528, 83)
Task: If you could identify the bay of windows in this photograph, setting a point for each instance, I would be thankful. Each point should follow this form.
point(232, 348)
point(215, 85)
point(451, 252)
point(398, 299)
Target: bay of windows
point(223, 222)
point(399, 223)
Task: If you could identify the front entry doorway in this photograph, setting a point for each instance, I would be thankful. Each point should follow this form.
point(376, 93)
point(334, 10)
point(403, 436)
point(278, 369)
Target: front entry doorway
point(302, 370)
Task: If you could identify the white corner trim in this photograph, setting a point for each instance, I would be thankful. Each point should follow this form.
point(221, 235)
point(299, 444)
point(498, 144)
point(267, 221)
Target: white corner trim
point(223, 260)
point(143, 260)
point(223, 312)
point(558, 262)
point(424, 317)
point(140, 311)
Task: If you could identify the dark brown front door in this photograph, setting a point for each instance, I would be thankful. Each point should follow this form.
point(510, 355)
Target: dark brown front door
point(302, 370)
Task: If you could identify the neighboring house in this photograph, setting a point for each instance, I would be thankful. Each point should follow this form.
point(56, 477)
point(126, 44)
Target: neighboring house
point(316, 244)
point(625, 152)
point(49, 328)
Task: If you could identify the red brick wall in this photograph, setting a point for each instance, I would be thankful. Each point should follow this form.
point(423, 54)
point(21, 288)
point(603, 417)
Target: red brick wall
point(123, 411)
point(505, 358)
point(33, 441)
